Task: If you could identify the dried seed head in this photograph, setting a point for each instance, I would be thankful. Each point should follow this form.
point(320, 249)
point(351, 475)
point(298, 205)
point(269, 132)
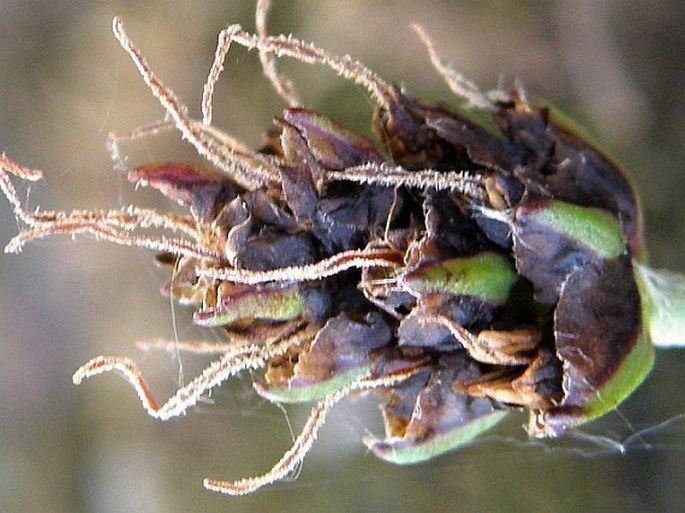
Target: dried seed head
point(460, 274)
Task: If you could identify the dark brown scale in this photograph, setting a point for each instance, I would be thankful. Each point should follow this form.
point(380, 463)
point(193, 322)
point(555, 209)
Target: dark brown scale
point(420, 135)
point(202, 191)
point(430, 393)
point(452, 232)
point(600, 306)
point(350, 215)
point(544, 256)
point(568, 168)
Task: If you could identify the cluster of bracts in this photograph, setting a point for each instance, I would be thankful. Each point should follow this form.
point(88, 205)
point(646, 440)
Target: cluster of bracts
point(461, 272)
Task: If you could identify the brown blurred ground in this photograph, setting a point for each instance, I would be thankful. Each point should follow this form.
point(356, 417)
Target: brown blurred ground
point(64, 84)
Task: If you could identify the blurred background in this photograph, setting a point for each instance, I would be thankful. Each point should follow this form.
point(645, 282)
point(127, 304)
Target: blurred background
point(65, 84)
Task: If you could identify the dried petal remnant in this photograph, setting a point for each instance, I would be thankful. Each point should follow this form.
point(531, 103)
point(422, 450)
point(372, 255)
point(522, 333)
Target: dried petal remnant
point(460, 274)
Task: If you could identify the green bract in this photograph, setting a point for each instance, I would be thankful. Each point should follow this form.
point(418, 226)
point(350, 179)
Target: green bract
point(275, 305)
point(663, 302)
point(594, 228)
point(405, 452)
point(487, 276)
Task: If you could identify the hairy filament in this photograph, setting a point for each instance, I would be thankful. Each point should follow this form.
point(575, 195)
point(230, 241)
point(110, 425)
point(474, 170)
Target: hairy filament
point(247, 172)
point(233, 362)
point(345, 66)
point(458, 83)
point(303, 443)
point(353, 259)
point(465, 182)
point(283, 86)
